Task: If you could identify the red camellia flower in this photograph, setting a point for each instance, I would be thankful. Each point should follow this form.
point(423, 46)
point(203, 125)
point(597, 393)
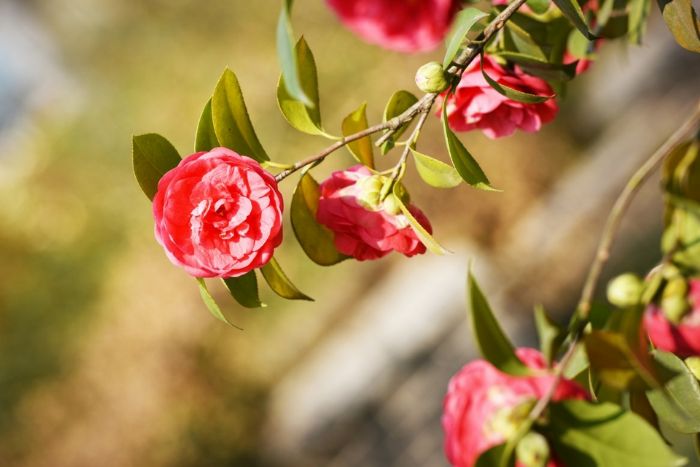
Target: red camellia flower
point(476, 105)
point(401, 25)
point(683, 338)
point(218, 214)
point(364, 226)
point(484, 406)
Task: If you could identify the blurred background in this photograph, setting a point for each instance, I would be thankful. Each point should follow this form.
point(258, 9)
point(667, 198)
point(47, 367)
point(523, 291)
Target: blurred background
point(107, 355)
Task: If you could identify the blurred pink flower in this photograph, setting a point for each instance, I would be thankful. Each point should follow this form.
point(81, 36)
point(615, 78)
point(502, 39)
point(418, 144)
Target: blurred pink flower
point(682, 339)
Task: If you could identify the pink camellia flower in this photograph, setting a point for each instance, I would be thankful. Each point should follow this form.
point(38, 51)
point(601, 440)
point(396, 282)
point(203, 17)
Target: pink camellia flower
point(484, 406)
point(401, 25)
point(683, 338)
point(364, 226)
point(218, 214)
point(476, 105)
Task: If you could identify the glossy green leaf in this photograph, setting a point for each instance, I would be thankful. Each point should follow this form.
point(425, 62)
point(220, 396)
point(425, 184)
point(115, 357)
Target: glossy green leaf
point(539, 7)
point(152, 157)
point(362, 148)
point(462, 24)
point(615, 363)
point(605, 435)
point(205, 139)
point(464, 163)
point(211, 304)
point(301, 115)
point(551, 335)
point(678, 402)
point(434, 172)
point(519, 37)
point(492, 341)
point(232, 124)
point(280, 283)
point(572, 11)
point(315, 239)
point(399, 102)
point(244, 289)
point(682, 20)
point(423, 235)
point(288, 57)
point(512, 93)
point(541, 68)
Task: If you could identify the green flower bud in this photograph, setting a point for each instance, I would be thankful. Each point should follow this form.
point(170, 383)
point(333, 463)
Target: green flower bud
point(693, 364)
point(532, 450)
point(675, 308)
point(431, 78)
point(625, 290)
point(370, 189)
point(391, 204)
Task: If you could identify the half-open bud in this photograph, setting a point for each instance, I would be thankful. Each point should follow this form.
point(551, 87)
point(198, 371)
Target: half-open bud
point(532, 450)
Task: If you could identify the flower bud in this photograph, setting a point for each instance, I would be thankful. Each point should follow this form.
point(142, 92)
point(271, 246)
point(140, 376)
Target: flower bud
point(532, 450)
point(674, 301)
point(625, 290)
point(391, 205)
point(369, 191)
point(431, 78)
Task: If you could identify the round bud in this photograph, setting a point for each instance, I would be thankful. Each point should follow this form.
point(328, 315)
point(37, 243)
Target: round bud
point(674, 308)
point(370, 189)
point(391, 205)
point(625, 290)
point(693, 364)
point(431, 78)
point(532, 450)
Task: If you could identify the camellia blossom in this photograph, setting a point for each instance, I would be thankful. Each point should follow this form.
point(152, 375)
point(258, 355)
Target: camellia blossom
point(401, 25)
point(364, 226)
point(682, 339)
point(476, 105)
point(484, 406)
point(218, 214)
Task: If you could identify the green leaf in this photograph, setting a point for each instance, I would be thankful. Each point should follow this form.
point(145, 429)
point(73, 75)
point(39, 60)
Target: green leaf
point(205, 139)
point(280, 283)
point(463, 23)
point(434, 172)
point(288, 57)
point(682, 20)
point(152, 157)
point(399, 102)
point(540, 7)
point(519, 37)
point(577, 45)
point(315, 239)
point(493, 457)
point(541, 68)
point(492, 341)
point(605, 435)
point(637, 19)
point(678, 402)
point(231, 121)
point(615, 363)
point(511, 93)
point(423, 235)
point(301, 115)
point(244, 289)
point(572, 11)
point(550, 333)
point(211, 303)
point(361, 148)
point(466, 165)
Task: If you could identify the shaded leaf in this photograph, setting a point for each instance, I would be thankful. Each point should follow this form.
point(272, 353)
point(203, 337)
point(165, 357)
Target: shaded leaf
point(361, 148)
point(280, 283)
point(493, 457)
point(551, 335)
point(678, 401)
point(541, 68)
point(288, 57)
point(682, 20)
point(399, 102)
point(205, 139)
point(244, 289)
point(519, 37)
point(423, 235)
point(615, 363)
point(572, 11)
point(463, 23)
point(152, 157)
point(231, 121)
point(512, 93)
point(211, 304)
point(434, 172)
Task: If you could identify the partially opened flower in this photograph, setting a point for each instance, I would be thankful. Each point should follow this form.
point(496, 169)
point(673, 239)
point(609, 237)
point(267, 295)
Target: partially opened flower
point(401, 25)
point(673, 325)
point(218, 214)
point(476, 105)
point(365, 226)
point(484, 407)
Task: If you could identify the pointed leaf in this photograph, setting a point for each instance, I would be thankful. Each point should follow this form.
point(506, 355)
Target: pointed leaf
point(301, 115)
point(231, 121)
point(511, 93)
point(678, 402)
point(550, 333)
point(540, 67)
point(606, 435)
point(315, 239)
point(466, 165)
point(288, 58)
point(434, 172)
point(637, 19)
point(399, 102)
point(152, 157)
point(362, 148)
point(463, 23)
point(280, 283)
point(682, 20)
point(493, 457)
point(492, 341)
point(423, 235)
point(211, 303)
point(244, 289)
point(572, 11)
point(205, 139)
point(615, 363)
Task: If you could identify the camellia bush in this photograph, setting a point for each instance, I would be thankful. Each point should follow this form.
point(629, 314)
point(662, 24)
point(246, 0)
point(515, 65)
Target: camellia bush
point(596, 391)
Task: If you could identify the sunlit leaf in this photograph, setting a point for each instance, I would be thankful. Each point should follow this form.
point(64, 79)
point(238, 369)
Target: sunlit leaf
point(423, 235)
point(280, 283)
point(361, 148)
point(288, 57)
point(211, 304)
point(205, 139)
point(152, 157)
point(572, 11)
point(244, 289)
point(550, 333)
point(399, 102)
point(434, 172)
point(678, 402)
point(462, 24)
point(231, 121)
